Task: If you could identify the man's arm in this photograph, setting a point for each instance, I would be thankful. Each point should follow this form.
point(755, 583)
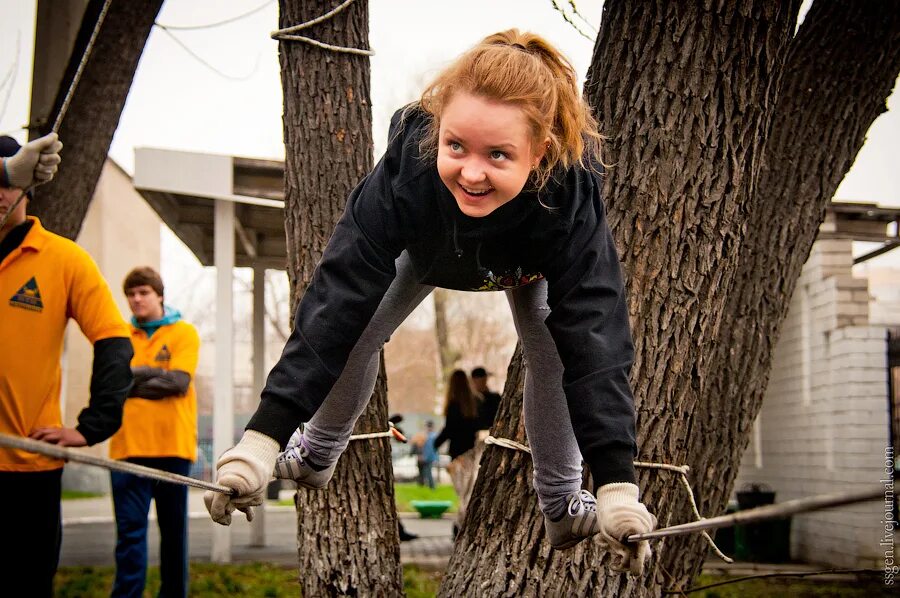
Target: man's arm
point(110, 381)
point(157, 383)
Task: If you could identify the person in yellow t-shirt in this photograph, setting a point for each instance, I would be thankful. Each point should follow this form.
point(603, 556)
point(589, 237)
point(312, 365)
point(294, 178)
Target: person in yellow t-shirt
point(46, 279)
point(159, 430)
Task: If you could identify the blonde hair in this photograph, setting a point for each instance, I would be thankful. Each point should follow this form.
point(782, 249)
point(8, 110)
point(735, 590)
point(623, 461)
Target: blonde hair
point(522, 68)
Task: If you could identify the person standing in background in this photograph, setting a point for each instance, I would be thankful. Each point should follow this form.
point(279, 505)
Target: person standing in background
point(490, 401)
point(46, 279)
point(460, 426)
point(159, 430)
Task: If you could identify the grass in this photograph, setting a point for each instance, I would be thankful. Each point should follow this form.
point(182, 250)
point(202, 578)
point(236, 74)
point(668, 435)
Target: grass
point(785, 587)
point(408, 491)
point(269, 581)
point(255, 579)
point(207, 580)
point(76, 494)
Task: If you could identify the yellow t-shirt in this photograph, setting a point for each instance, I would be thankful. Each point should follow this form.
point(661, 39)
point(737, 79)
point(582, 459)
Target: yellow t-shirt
point(161, 427)
point(44, 282)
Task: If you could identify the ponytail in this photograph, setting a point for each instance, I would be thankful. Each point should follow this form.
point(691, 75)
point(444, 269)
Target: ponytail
point(524, 69)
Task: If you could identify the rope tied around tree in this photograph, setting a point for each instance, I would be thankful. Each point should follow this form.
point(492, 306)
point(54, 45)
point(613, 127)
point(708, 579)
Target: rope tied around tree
point(682, 470)
point(701, 524)
point(287, 34)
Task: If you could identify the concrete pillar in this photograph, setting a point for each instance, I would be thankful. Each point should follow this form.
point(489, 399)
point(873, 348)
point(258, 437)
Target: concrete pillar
point(223, 407)
point(258, 525)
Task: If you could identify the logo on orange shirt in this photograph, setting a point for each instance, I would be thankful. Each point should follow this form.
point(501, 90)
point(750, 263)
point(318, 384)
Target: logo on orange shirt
point(28, 297)
point(164, 355)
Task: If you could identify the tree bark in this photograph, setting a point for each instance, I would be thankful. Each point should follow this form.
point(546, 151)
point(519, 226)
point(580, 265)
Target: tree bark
point(728, 137)
point(347, 534)
point(96, 106)
point(839, 72)
point(447, 354)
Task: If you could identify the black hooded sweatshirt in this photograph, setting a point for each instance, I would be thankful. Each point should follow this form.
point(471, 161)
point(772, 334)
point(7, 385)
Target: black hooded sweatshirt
point(559, 234)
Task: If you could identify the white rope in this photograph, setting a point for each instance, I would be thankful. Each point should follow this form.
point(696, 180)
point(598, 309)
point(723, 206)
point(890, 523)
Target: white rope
point(66, 101)
point(391, 432)
point(682, 470)
point(286, 34)
point(70, 454)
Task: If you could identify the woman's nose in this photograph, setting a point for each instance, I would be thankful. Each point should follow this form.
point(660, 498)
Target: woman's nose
point(472, 171)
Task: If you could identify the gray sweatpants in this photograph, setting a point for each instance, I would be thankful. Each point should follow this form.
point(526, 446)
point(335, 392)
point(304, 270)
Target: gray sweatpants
point(557, 460)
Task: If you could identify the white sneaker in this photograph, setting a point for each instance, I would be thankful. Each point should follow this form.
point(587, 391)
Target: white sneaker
point(292, 465)
point(579, 522)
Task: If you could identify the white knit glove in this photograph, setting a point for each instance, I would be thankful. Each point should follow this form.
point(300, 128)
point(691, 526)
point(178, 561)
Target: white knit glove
point(621, 514)
point(35, 162)
point(247, 469)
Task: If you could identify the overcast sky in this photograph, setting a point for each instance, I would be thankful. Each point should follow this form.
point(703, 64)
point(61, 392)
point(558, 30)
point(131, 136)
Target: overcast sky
point(178, 102)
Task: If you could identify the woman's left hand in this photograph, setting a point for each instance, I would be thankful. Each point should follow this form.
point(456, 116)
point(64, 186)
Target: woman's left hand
point(621, 515)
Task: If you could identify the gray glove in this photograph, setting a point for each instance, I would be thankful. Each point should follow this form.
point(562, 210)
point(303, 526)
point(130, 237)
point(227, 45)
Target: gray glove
point(36, 162)
point(246, 468)
point(621, 514)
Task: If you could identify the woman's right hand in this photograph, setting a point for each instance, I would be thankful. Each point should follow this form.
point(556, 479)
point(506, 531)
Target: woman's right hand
point(246, 469)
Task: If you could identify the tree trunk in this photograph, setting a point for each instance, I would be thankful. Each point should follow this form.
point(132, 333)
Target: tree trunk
point(93, 115)
point(347, 534)
point(839, 72)
point(447, 354)
point(724, 157)
point(684, 92)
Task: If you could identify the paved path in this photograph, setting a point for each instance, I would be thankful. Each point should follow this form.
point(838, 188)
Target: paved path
point(89, 535)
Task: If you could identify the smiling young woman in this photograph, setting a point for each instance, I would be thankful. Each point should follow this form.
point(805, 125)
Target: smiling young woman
point(489, 182)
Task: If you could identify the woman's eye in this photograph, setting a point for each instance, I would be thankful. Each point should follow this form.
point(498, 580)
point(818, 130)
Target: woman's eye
point(455, 146)
point(497, 155)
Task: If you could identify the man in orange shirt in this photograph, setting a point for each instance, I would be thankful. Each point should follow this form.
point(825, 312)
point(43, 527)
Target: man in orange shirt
point(46, 279)
point(159, 430)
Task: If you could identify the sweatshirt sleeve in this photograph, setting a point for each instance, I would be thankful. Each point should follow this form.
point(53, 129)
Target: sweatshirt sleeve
point(589, 323)
point(355, 271)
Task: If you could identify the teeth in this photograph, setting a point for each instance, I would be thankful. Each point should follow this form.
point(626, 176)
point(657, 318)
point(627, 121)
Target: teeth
point(477, 192)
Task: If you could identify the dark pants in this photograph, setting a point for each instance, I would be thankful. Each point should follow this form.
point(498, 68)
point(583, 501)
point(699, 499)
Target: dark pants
point(30, 534)
point(131, 499)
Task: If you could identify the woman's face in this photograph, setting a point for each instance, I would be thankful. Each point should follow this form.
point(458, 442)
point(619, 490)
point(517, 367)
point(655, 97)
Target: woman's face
point(485, 152)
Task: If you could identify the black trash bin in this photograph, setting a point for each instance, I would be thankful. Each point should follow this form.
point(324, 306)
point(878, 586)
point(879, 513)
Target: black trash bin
point(273, 489)
point(765, 541)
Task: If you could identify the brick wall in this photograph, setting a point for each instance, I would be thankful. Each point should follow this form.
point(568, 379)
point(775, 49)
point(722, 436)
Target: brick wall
point(824, 422)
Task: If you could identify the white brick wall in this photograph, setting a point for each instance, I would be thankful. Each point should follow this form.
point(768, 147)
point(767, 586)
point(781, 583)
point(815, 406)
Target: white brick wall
point(823, 426)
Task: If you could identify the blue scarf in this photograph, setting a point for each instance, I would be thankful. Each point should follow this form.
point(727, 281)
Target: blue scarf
point(170, 316)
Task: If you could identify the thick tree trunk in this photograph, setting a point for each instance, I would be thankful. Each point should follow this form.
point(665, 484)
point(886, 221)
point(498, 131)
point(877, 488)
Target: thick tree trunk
point(93, 115)
point(347, 533)
point(684, 92)
point(839, 71)
point(724, 157)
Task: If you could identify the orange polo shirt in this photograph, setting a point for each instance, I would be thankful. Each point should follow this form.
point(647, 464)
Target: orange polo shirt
point(44, 282)
point(161, 427)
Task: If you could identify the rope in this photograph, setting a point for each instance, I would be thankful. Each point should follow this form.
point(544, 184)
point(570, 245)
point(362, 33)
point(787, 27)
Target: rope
point(702, 524)
point(791, 507)
point(682, 470)
point(392, 432)
point(68, 454)
point(286, 34)
point(66, 101)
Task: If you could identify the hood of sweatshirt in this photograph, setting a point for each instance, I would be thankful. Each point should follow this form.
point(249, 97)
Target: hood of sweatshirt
point(170, 316)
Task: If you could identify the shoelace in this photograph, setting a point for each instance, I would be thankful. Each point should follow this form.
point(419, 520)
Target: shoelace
point(295, 453)
point(585, 499)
